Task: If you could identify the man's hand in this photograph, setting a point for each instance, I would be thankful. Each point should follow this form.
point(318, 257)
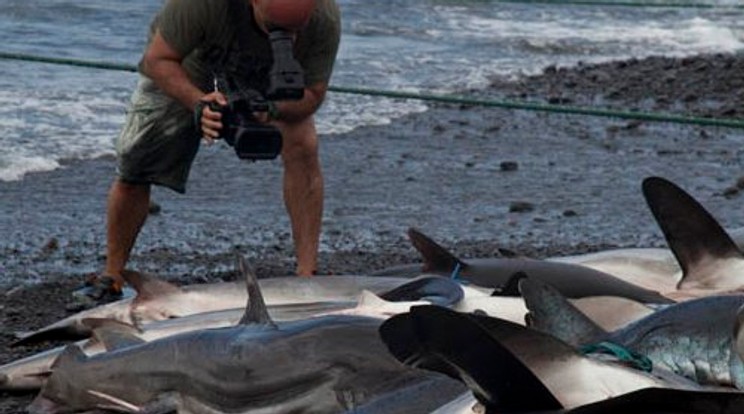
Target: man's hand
point(211, 120)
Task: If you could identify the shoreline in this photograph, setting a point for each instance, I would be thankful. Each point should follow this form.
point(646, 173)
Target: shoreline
point(474, 179)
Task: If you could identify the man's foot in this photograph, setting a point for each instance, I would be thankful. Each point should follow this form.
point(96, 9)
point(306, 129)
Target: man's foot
point(96, 291)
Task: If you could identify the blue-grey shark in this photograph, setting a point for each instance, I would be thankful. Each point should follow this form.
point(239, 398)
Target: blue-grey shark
point(328, 364)
point(514, 369)
point(694, 338)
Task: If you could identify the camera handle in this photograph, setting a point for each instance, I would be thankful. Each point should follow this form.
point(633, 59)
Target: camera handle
point(199, 112)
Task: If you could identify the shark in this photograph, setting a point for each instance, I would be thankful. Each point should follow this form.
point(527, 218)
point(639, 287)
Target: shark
point(510, 368)
point(157, 299)
point(694, 339)
point(30, 373)
point(326, 364)
point(573, 280)
point(702, 257)
point(652, 268)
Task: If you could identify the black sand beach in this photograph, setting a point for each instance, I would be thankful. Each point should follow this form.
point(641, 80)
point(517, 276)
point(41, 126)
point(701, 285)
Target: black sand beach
point(476, 179)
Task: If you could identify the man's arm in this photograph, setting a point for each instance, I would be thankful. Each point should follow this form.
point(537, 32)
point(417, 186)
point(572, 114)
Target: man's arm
point(294, 111)
point(162, 64)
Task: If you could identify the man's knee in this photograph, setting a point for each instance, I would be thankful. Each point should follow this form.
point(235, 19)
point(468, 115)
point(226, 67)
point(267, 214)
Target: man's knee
point(127, 189)
point(300, 145)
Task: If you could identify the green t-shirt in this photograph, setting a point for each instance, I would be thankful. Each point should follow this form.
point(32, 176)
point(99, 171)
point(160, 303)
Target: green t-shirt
point(215, 35)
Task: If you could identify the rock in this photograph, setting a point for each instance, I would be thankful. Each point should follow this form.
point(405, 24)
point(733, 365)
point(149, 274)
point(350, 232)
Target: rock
point(521, 207)
point(154, 208)
point(509, 166)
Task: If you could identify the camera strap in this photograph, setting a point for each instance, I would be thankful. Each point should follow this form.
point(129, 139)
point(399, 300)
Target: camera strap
point(244, 70)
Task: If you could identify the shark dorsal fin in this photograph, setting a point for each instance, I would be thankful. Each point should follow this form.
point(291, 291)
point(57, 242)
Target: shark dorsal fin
point(692, 233)
point(114, 334)
point(552, 313)
point(148, 286)
point(369, 299)
point(72, 354)
point(255, 310)
point(437, 259)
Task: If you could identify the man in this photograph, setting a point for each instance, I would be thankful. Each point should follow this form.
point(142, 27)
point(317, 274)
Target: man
point(193, 43)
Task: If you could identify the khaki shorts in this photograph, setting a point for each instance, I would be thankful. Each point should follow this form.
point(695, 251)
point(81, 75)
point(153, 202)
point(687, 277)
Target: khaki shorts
point(158, 142)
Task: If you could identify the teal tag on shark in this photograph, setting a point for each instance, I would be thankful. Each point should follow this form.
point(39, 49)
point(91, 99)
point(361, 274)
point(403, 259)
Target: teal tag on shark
point(456, 272)
point(633, 359)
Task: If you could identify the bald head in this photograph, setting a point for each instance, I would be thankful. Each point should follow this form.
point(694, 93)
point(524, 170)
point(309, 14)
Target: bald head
point(286, 14)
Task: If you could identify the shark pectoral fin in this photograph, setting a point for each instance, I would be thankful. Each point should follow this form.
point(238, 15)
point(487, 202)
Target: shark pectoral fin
point(255, 310)
point(437, 259)
point(433, 289)
point(400, 337)
point(148, 286)
point(114, 334)
point(552, 313)
point(497, 377)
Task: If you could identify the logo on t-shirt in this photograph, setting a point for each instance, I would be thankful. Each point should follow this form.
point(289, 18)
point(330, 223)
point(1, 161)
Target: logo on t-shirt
point(240, 69)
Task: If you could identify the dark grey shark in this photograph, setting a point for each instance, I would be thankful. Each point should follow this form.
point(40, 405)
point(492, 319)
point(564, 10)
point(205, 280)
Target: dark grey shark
point(322, 365)
point(572, 280)
point(694, 338)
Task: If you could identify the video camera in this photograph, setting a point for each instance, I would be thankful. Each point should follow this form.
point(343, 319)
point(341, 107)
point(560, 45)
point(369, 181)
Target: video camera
point(251, 139)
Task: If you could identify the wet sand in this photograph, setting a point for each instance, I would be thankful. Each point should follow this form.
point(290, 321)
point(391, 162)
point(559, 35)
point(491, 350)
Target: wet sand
point(476, 179)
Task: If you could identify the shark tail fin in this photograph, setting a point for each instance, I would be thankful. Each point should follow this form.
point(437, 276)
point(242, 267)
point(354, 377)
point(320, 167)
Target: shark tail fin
point(52, 333)
point(114, 334)
point(498, 379)
point(255, 310)
point(692, 233)
point(552, 313)
point(437, 259)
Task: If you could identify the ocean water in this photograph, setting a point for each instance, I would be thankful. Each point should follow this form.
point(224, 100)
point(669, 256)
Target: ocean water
point(50, 114)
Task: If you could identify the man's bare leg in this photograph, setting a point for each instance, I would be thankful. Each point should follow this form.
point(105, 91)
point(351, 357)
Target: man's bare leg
point(303, 191)
point(128, 206)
